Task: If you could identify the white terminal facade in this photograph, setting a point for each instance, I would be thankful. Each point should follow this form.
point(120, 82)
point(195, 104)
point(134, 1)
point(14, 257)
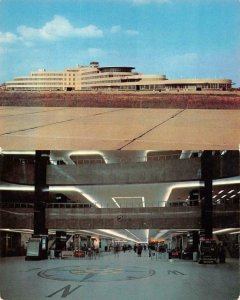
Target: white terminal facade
point(94, 77)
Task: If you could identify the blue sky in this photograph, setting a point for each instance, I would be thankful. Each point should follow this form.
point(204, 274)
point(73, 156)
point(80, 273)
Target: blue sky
point(179, 38)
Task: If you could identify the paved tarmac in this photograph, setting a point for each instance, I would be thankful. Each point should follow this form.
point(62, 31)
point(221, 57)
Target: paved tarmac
point(120, 277)
point(82, 128)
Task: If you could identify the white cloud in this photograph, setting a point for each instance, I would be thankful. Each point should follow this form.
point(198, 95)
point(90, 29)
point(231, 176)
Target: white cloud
point(89, 31)
point(132, 32)
point(59, 27)
point(118, 29)
point(7, 37)
point(115, 29)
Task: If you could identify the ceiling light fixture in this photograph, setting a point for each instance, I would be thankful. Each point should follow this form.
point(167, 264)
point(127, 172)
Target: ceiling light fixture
point(14, 152)
point(118, 235)
point(224, 230)
point(113, 199)
point(17, 188)
point(74, 189)
point(82, 153)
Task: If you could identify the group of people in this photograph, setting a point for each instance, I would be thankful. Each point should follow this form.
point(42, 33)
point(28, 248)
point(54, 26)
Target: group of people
point(138, 248)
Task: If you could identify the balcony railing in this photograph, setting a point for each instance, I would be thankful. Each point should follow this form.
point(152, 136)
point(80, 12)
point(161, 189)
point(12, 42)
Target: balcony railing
point(128, 204)
point(83, 161)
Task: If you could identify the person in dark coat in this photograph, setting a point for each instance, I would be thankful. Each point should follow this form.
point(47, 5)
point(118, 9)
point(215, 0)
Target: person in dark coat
point(222, 254)
point(135, 248)
point(139, 250)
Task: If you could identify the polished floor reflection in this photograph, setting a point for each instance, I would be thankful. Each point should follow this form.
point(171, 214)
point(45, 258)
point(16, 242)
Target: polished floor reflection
point(124, 276)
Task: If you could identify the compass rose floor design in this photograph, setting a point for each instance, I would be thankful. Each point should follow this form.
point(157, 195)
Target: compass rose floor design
point(96, 273)
point(123, 277)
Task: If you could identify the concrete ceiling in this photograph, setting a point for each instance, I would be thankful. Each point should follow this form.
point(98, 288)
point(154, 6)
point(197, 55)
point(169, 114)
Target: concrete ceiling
point(134, 195)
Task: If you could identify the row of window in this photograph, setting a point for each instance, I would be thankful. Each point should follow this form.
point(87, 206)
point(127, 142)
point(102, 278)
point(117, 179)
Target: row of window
point(37, 89)
point(128, 87)
point(36, 79)
point(52, 74)
point(47, 74)
point(121, 87)
point(101, 82)
point(152, 87)
point(89, 72)
point(35, 83)
point(99, 76)
point(72, 71)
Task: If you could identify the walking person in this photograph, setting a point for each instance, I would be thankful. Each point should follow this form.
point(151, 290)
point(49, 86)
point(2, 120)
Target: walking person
point(150, 251)
point(139, 250)
point(221, 253)
point(135, 248)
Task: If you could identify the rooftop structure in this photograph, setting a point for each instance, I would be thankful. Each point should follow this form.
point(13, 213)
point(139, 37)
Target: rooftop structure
point(94, 77)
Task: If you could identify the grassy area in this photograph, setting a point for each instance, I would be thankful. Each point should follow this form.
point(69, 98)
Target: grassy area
point(184, 99)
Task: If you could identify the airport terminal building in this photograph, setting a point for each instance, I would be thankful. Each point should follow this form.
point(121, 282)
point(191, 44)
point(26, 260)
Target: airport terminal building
point(123, 78)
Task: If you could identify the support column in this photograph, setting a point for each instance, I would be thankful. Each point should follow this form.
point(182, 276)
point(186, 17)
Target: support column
point(206, 194)
point(89, 241)
point(77, 242)
point(40, 199)
point(61, 239)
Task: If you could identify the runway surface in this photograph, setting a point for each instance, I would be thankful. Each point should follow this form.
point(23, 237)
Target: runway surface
point(82, 128)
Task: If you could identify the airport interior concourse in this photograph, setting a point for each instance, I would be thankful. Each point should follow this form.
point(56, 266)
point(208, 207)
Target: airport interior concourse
point(119, 225)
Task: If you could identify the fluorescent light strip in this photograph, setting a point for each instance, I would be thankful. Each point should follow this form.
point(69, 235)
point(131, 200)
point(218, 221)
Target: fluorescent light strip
point(9, 152)
point(180, 185)
point(74, 189)
point(129, 197)
point(221, 192)
point(226, 181)
point(236, 232)
point(191, 184)
point(132, 234)
point(118, 235)
point(143, 202)
point(95, 233)
point(161, 233)
point(30, 231)
point(88, 153)
point(147, 235)
point(16, 188)
point(231, 191)
point(113, 199)
point(224, 230)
